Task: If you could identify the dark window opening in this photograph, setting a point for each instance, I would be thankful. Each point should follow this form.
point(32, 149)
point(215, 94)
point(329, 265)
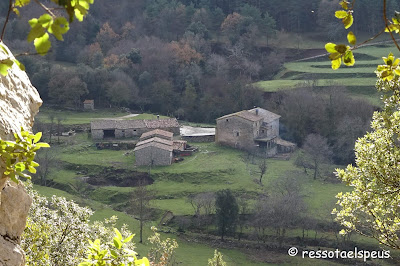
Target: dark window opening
point(237, 134)
point(227, 120)
point(110, 133)
point(262, 131)
point(134, 130)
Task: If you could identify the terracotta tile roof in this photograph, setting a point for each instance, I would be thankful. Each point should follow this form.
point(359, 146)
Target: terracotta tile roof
point(157, 132)
point(161, 123)
point(103, 124)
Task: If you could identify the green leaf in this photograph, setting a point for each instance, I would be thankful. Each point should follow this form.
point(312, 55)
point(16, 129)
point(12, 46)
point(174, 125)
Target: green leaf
point(129, 238)
point(16, 11)
point(114, 254)
point(14, 178)
point(348, 59)
point(19, 64)
point(42, 145)
point(4, 49)
point(38, 136)
point(344, 5)
point(45, 20)
point(31, 169)
point(42, 44)
point(19, 167)
point(22, 3)
point(80, 12)
point(336, 63)
point(142, 262)
point(37, 31)
point(348, 21)
point(330, 47)
point(59, 27)
point(341, 14)
point(117, 243)
point(351, 38)
point(335, 56)
point(5, 65)
point(341, 48)
point(118, 233)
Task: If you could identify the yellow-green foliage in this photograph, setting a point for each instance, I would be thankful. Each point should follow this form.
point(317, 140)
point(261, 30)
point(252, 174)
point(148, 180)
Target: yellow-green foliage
point(19, 155)
point(216, 260)
point(372, 208)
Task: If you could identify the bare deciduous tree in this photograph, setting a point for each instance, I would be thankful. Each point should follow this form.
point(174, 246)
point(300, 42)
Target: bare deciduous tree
point(282, 209)
point(263, 169)
point(141, 204)
point(317, 152)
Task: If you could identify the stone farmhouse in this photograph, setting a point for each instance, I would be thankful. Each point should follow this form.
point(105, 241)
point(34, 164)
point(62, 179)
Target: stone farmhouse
point(255, 130)
point(120, 129)
point(157, 147)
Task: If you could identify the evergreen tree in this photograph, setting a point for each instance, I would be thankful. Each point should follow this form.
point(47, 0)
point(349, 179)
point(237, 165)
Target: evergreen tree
point(227, 212)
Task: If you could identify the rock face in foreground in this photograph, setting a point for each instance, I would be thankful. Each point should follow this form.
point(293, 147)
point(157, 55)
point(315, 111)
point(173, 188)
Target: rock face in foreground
point(19, 103)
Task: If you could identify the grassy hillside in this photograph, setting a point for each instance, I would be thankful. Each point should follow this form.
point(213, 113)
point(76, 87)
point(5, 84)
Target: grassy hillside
point(70, 117)
point(211, 168)
point(359, 79)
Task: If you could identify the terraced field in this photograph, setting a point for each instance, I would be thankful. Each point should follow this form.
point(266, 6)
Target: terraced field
point(358, 80)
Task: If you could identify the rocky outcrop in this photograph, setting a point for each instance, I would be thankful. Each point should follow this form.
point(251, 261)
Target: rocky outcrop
point(19, 103)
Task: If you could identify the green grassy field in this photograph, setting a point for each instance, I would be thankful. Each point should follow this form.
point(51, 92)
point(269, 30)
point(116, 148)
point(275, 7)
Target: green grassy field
point(85, 117)
point(212, 168)
point(359, 80)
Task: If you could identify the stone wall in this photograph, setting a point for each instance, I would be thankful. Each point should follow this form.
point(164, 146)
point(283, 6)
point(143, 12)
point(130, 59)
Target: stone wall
point(97, 133)
point(129, 133)
point(19, 103)
point(159, 156)
point(210, 138)
point(236, 132)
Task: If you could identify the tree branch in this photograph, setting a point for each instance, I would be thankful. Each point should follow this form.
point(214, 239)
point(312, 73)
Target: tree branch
point(7, 18)
point(387, 25)
point(368, 40)
point(45, 8)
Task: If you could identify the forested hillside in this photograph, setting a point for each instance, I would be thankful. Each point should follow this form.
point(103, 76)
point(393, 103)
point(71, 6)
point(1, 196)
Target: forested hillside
point(195, 60)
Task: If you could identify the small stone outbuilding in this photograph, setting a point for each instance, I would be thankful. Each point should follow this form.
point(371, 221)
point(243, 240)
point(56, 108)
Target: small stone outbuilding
point(88, 105)
point(154, 151)
point(157, 147)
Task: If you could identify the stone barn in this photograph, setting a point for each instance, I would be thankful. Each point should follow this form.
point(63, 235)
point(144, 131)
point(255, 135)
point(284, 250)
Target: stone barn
point(101, 129)
point(255, 130)
point(120, 129)
point(154, 151)
point(129, 128)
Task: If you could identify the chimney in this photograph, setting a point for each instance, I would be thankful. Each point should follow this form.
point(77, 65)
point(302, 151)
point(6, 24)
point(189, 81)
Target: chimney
point(257, 111)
